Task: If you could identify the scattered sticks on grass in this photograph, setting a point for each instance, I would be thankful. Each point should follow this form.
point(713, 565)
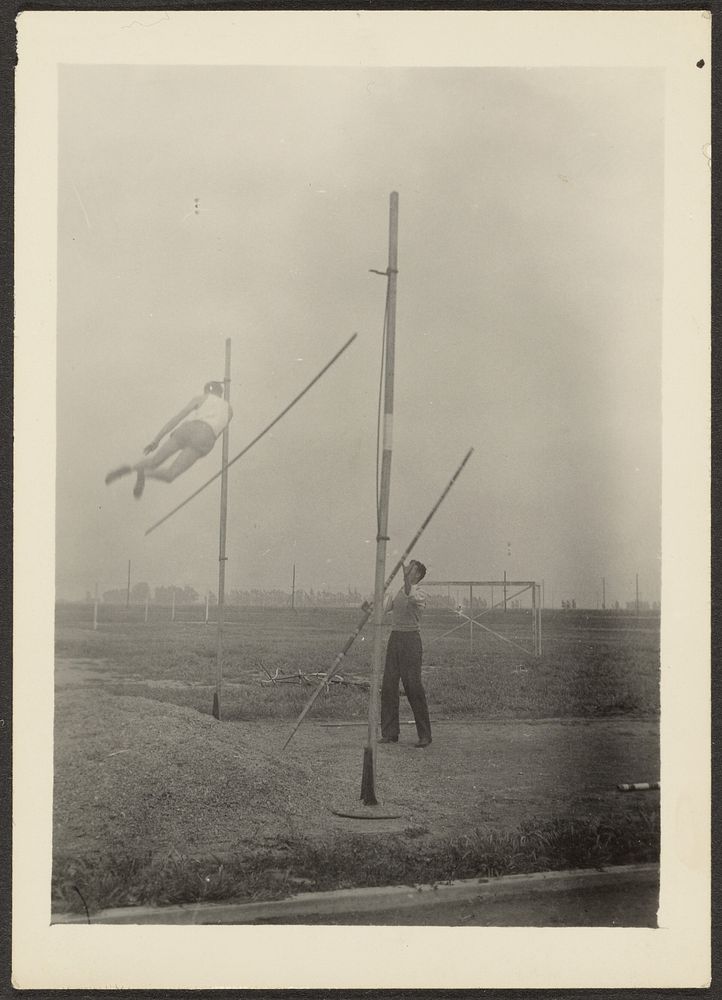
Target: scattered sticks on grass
point(278, 678)
point(298, 677)
point(360, 682)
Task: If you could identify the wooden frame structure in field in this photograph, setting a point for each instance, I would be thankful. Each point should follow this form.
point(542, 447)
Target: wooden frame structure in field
point(504, 585)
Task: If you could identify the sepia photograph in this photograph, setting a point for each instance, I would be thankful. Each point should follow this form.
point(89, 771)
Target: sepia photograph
point(355, 466)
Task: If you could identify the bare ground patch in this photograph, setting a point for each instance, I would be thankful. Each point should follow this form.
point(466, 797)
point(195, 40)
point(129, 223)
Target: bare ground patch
point(141, 774)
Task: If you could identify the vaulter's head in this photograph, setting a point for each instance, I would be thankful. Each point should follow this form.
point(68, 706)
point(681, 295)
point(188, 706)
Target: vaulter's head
point(214, 387)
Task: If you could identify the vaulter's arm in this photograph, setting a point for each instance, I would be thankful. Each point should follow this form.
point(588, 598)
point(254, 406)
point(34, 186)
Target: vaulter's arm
point(368, 606)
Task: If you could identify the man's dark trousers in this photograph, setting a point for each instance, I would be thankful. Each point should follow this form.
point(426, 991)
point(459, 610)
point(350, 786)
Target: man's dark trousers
point(403, 662)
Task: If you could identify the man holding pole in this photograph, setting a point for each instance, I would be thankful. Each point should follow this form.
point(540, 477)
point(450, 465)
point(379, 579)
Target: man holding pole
point(192, 440)
point(403, 659)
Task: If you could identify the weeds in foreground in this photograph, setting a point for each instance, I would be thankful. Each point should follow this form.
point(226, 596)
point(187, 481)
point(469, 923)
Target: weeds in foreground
point(103, 881)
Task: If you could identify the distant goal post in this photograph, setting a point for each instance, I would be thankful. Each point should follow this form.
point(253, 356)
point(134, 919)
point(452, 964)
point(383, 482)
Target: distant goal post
point(511, 597)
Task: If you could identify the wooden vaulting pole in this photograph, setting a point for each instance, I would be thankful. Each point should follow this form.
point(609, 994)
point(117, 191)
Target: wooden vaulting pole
point(367, 609)
point(368, 778)
point(222, 543)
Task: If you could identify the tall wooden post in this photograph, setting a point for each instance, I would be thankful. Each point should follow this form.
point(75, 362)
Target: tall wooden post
point(604, 594)
point(471, 617)
point(222, 543)
point(368, 780)
point(534, 620)
point(293, 589)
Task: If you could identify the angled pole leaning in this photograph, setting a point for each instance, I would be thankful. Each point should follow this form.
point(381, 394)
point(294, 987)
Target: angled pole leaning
point(222, 542)
point(367, 609)
point(368, 778)
point(257, 438)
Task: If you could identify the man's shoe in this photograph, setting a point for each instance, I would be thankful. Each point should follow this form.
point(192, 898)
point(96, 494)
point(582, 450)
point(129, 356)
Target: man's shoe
point(123, 470)
point(422, 743)
point(387, 739)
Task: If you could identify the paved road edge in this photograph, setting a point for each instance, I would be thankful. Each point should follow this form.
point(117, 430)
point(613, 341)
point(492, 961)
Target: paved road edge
point(375, 899)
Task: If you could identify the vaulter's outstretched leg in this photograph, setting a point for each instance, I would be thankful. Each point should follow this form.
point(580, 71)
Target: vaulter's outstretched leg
point(147, 466)
point(165, 451)
point(183, 462)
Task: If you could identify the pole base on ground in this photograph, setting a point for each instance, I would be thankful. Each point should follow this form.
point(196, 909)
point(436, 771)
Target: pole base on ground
point(360, 811)
point(368, 793)
point(216, 707)
point(368, 806)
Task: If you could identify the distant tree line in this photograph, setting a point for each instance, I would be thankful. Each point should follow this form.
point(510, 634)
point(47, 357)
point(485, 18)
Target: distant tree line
point(141, 592)
point(301, 599)
point(444, 601)
point(165, 596)
point(351, 597)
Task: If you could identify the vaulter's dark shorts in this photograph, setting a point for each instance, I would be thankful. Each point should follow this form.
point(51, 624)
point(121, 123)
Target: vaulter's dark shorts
point(194, 434)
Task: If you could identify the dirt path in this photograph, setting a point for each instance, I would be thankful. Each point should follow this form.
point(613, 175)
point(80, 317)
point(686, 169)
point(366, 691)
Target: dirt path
point(136, 774)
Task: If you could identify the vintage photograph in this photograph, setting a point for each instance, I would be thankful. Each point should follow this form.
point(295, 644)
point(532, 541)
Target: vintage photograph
point(222, 232)
point(358, 495)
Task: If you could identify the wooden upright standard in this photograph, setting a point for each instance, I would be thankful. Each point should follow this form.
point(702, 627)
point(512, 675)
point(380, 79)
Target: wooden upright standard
point(222, 543)
point(368, 781)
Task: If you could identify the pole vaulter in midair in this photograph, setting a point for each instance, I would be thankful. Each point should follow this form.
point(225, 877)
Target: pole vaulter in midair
point(192, 433)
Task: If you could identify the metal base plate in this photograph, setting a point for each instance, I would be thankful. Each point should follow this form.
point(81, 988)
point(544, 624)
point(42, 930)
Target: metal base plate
point(360, 811)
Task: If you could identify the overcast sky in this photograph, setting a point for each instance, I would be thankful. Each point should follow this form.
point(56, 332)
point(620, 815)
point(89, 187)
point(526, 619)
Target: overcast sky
point(528, 320)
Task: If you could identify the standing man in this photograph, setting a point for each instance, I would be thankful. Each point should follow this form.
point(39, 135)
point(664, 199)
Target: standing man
point(190, 441)
point(403, 659)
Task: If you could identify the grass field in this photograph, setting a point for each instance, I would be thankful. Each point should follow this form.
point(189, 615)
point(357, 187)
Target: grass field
point(592, 664)
point(155, 801)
